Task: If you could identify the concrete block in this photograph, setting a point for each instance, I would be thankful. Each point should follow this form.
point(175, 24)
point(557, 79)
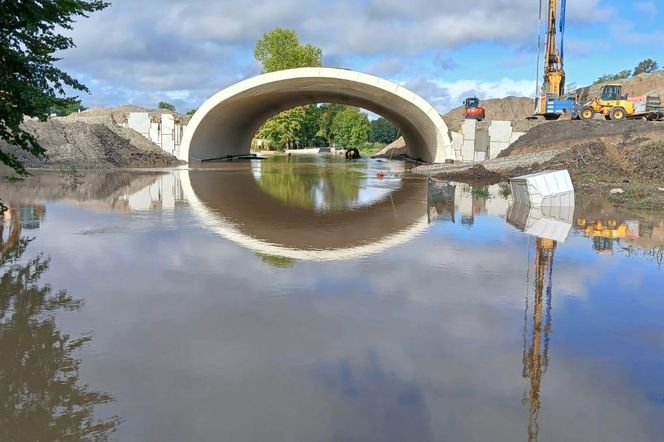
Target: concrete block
point(140, 122)
point(469, 127)
point(168, 133)
point(155, 133)
point(515, 136)
point(480, 156)
point(496, 147)
point(482, 141)
point(500, 131)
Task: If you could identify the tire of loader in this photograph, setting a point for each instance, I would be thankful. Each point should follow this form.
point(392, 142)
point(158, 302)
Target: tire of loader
point(587, 113)
point(617, 113)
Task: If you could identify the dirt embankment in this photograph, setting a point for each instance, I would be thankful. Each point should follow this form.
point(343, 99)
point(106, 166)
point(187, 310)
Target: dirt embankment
point(642, 84)
point(508, 108)
point(600, 156)
point(71, 143)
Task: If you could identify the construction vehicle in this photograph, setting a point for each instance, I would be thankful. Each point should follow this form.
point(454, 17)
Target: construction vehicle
point(553, 101)
point(473, 110)
point(616, 106)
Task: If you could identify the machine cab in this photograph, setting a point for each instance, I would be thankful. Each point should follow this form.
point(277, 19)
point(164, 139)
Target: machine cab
point(611, 92)
point(472, 102)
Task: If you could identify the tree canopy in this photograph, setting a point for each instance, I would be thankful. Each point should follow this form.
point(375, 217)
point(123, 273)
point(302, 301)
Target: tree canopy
point(382, 131)
point(166, 105)
point(30, 84)
point(646, 66)
point(350, 127)
point(280, 49)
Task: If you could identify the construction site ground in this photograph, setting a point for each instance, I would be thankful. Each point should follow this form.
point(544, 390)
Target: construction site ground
point(601, 156)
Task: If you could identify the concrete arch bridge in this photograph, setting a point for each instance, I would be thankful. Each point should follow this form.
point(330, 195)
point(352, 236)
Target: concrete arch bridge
point(227, 122)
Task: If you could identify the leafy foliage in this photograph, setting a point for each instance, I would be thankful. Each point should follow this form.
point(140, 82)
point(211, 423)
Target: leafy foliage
point(165, 105)
point(614, 77)
point(68, 109)
point(30, 84)
point(382, 131)
point(278, 50)
point(646, 66)
point(282, 130)
point(281, 49)
point(350, 127)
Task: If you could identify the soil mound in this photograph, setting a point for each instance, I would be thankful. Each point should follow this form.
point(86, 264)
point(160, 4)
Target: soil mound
point(79, 144)
point(564, 134)
point(508, 108)
point(642, 84)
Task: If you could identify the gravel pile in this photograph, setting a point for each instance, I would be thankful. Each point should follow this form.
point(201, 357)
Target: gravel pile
point(89, 145)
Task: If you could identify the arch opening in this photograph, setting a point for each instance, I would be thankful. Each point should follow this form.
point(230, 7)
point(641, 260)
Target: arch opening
point(227, 122)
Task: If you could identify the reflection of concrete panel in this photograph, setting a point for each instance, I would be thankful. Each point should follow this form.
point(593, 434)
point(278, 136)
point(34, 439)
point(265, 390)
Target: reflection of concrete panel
point(496, 204)
point(550, 222)
point(140, 122)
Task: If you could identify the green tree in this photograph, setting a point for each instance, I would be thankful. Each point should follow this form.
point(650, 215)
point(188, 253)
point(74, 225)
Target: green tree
point(614, 77)
point(328, 112)
point(283, 129)
point(350, 127)
point(308, 135)
point(646, 66)
point(277, 50)
point(281, 49)
point(167, 106)
point(30, 84)
point(68, 109)
point(382, 131)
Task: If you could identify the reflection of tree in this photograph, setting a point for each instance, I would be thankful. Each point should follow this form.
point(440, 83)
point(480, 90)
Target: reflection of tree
point(279, 262)
point(41, 397)
point(328, 188)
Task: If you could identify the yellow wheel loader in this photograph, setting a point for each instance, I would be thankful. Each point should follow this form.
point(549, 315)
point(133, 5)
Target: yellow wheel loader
point(611, 103)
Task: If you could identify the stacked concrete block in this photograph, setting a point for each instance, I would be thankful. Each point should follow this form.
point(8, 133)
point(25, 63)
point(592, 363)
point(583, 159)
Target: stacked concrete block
point(482, 141)
point(515, 136)
point(468, 146)
point(140, 122)
point(500, 133)
point(168, 133)
point(155, 133)
point(457, 142)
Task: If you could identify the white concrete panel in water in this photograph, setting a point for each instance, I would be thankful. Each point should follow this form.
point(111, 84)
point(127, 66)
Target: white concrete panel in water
point(547, 188)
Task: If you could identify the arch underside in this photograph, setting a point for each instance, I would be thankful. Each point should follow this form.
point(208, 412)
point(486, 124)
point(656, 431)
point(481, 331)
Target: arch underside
point(227, 123)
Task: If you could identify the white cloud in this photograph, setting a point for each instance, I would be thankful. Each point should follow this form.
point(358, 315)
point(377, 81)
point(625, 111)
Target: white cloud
point(445, 95)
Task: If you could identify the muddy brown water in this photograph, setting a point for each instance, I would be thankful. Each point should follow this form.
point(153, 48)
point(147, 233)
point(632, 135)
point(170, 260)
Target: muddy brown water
point(311, 299)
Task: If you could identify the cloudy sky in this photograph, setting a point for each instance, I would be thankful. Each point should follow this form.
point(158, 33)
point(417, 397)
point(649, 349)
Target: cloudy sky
point(148, 51)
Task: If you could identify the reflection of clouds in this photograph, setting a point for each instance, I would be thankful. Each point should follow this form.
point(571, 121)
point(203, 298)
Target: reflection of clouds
point(200, 340)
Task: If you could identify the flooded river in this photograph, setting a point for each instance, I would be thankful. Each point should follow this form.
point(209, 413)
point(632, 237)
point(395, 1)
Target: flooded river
point(310, 299)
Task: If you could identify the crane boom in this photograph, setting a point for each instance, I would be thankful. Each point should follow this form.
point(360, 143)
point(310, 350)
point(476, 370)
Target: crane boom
point(554, 72)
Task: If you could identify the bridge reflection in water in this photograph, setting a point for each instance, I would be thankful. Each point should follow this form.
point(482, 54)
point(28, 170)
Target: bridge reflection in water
point(377, 214)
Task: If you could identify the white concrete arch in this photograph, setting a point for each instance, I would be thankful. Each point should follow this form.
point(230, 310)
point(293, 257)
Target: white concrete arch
point(226, 123)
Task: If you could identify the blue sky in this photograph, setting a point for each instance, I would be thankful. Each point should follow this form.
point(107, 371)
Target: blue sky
point(182, 52)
